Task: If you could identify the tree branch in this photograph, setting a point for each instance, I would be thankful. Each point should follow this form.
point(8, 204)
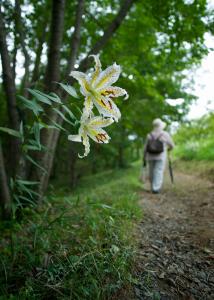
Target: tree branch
point(41, 41)
point(94, 19)
point(109, 32)
point(75, 41)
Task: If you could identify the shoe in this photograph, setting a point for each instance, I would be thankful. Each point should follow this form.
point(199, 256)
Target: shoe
point(155, 192)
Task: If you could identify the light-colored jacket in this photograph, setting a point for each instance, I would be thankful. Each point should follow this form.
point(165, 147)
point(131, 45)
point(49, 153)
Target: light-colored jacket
point(165, 138)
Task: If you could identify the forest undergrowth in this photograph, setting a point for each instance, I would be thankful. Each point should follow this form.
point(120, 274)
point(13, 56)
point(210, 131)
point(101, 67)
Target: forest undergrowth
point(77, 244)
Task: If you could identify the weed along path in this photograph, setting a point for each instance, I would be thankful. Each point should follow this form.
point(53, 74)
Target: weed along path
point(176, 242)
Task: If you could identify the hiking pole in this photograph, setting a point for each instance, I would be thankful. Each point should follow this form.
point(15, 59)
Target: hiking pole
point(170, 169)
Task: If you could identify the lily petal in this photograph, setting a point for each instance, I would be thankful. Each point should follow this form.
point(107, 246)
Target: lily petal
point(85, 141)
point(115, 91)
point(107, 107)
point(108, 77)
point(98, 122)
point(87, 110)
point(75, 138)
point(97, 68)
point(83, 80)
point(99, 135)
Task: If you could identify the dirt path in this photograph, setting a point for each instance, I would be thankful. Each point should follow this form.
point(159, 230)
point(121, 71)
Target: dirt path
point(176, 252)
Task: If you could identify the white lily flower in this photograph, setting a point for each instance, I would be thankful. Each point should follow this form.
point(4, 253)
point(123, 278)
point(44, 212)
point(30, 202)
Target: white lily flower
point(92, 127)
point(99, 91)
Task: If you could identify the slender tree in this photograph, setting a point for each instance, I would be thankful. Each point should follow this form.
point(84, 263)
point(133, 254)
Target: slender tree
point(22, 40)
point(5, 199)
point(40, 46)
point(51, 77)
point(53, 135)
point(10, 93)
point(75, 41)
point(53, 67)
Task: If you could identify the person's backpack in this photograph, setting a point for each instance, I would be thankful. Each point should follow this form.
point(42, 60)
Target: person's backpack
point(155, 146)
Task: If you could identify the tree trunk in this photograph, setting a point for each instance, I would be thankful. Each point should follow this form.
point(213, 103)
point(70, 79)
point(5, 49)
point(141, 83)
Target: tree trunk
point(20, 31)
point(5, 200)
point(51, 137)
point(57, 25)
point(51, 77)
point(10, 92)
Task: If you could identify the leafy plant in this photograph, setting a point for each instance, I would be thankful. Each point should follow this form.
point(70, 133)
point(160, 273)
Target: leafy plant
point(77, 246)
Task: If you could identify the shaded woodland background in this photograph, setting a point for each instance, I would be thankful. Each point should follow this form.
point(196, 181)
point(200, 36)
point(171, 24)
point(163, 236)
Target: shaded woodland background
point(42, 41)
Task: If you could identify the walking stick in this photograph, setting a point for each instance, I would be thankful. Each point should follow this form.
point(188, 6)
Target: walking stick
point(170, 169)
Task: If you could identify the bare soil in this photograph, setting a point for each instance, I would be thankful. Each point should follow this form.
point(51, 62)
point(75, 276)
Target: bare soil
point(176, 241)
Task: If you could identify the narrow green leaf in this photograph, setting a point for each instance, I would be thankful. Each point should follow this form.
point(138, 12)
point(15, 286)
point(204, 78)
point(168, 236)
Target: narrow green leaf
point(69, 112)
point(69, 89)
point(57, 126)
point(54, 97)
point(36, 130)
point(27, 182)
point(40, 97)
point(32, 148)
point(62, 116)
point(11, 132)
point(22, 188)
point(18, 202)
point(35, 163)
point(28, 200)
point(32, 105)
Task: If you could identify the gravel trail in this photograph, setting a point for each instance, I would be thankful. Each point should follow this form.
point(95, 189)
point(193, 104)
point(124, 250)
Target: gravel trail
point(176, 241)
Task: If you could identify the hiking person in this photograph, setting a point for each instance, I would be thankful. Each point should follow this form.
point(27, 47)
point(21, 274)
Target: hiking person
point(157, 143)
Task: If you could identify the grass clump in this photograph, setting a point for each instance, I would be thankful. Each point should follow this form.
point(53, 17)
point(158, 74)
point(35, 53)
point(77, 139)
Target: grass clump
point(196, 150)
point(194, 140)
point(75, 246)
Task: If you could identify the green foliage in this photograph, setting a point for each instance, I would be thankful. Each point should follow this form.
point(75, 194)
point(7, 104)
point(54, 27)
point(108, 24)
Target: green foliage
point(157, 41)
point(22, 191)
point(77, 246)
point(195, 140)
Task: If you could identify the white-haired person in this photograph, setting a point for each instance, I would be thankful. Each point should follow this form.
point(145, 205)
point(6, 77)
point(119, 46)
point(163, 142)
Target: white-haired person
point(156, 145)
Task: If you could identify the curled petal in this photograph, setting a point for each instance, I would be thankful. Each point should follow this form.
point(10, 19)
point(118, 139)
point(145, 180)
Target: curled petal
point(87, 110)
point(83, 81)
point(85, 141)
point(107, 107)
point(115, 91)
point(98, 122)
point(97, 68)
point(75, 138)
point(108, 77)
